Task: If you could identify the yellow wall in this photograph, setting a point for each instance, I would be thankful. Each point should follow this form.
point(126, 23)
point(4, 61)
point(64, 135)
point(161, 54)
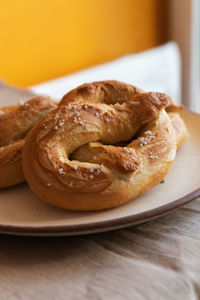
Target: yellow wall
point(43, 39)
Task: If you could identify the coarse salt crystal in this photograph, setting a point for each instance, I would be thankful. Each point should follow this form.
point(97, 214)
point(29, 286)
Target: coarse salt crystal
point(21, 103)
point(75, 167)
point(144, 141)
point(149, 132)
point(49, 184)
point(91, 170)
point(69, 107)
point(98, 171)
point(75, 120)
point(91, 176)
point(107, 120)
point(61, 123)
point(55, 127)
point(132, 150)
point(60, 171)
point(133, 103)
point(153, 156)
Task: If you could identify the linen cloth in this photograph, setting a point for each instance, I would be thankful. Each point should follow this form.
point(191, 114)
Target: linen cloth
point(157, 70)
point(156, 260)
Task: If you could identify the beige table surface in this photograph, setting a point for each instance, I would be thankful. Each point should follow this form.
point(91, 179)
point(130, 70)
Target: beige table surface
point(156, 260)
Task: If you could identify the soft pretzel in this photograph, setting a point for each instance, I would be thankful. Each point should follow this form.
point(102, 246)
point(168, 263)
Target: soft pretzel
point(105, 144)
point(15, 122)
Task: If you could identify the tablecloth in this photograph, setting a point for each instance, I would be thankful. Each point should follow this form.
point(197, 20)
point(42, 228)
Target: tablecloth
point(156, 260)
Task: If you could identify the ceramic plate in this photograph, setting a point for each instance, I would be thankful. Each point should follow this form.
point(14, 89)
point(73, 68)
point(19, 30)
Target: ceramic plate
point(23, 213)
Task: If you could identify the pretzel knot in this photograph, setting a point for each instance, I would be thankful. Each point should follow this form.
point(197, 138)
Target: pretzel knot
point(15, 122)
point(105, 144)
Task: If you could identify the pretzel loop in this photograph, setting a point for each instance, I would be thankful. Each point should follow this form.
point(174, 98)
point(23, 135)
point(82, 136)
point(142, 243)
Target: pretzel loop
point(83, 155)
point(15, 123)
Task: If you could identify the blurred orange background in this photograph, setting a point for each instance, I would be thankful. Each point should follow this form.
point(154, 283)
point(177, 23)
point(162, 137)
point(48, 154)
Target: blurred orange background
point(41, 40)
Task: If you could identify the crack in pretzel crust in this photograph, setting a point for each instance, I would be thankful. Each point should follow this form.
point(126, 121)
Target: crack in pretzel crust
point(15, 123)
point(74, 159)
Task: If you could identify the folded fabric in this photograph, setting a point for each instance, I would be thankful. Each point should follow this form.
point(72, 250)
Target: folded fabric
point(157, 69)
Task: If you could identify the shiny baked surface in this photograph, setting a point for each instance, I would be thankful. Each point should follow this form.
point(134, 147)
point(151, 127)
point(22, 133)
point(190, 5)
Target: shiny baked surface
point(73, 158)
point(15, 123)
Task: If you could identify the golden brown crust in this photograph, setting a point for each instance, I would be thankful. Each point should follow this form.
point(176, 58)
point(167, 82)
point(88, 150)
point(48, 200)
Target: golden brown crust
point(179, 128)
point(72, 157)
point(122, 159)
point(15, 122)
point(109, 92)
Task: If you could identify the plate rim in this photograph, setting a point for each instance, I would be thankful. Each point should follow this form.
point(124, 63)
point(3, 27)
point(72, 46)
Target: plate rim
point(100, 226)
point(94, 227)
